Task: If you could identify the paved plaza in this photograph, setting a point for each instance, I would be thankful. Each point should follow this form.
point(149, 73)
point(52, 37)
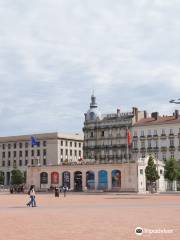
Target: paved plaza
point(89, 216)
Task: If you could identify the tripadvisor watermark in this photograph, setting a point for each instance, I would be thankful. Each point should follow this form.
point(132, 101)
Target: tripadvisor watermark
point(140, 231)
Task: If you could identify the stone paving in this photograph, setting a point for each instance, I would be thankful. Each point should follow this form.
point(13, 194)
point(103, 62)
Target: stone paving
point(83, 217)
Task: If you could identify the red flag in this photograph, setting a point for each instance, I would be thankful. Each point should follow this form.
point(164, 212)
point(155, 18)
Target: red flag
point(129, 138)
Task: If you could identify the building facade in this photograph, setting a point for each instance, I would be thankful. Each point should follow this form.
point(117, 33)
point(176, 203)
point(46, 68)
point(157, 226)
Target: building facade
point(105, 136)
point(52, 149)
point(158, 136)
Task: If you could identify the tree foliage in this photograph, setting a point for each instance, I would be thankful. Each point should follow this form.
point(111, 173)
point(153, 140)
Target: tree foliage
point(151, 172)
point(1, 179)
point(17, 177)
point(172, 170)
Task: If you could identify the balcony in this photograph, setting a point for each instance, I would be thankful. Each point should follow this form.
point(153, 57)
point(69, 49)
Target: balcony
point(143, 149)
point(149, 137)
point(171, 135)
point(155, 136)
point(156, 149)
point(135, 150)
point(135, 137)
point(142, 138)
point(163, 149)
point(149, 149)
point(172, 148)
point(163, 136)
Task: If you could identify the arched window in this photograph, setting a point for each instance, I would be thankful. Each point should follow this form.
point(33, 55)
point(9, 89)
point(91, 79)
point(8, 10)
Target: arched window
point(66, 179)
point(116, 179)
point(55, 178)
point(78, 181)
point(90, 180)
point(44, 178)
point(102, 180)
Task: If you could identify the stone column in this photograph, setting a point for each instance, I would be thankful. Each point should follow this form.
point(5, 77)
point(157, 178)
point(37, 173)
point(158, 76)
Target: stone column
point(109, 181)
point(83, 180)
point(72, 180)
point(96, 179)
point(60, 179)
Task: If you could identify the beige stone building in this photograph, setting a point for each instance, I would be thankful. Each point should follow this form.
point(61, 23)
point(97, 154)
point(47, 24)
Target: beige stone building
point(52, 149)
point(158, 136)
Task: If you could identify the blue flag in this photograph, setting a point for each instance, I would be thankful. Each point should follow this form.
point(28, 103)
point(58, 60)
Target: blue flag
point(34, 142)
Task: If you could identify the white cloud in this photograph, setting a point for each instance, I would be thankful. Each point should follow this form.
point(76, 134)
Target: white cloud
point(52, 53)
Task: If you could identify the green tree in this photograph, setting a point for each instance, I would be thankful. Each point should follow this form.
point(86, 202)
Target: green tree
point(17, 177)
point(1, 179)
point(151, 172)
point(171, 169)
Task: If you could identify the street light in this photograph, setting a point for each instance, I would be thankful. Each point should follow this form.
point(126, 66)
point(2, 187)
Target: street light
point(174, 101)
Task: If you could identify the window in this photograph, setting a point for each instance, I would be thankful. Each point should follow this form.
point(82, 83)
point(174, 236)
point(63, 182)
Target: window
point(172, 155)
point(61, 143)
point(79, 145)
point(26, 153)
point(20, 162)
point(164, 156)
point(171, 131)
point(156, 144)
point(20, 153)
point(26, 145)
point(141, 171)
point(3, 163)
point(163, 132)
point(9, 146)
point(32, 161)
point(70, 152)
point(9, 163)
point(44, 143)
point(26, 162)
point(161, 171)
point(142, 133)
point(171, 142)
point(70, 144)
point(32, 152)
point(61, 151)
point(20, 145)
point(44, 152)
point(14, 145)
point(66, 143)
point(102, 134)
point(149, 143)
point(149, 132)
point(75, 153)
point(3, 146)
point(3, 154)
point(44, 161)
point(9, 154)
point(155, 133)
point(75, 144)
point(38, 152)
point(14, 154)
point(66, 151)
point(79, 153)
point(92, 134)
point(143, 144)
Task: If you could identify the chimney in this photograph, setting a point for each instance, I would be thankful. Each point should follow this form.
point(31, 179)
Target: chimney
point(145, 114)
point(118, 111)
point(176, 114)
point(155, 115)
point(135, 112)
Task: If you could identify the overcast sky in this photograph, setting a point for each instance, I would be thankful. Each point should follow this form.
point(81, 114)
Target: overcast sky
point(53, 53)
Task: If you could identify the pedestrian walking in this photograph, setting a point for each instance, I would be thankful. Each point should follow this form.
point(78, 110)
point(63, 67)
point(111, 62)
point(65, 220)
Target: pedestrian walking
point(64, 190)
point(32, 194)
